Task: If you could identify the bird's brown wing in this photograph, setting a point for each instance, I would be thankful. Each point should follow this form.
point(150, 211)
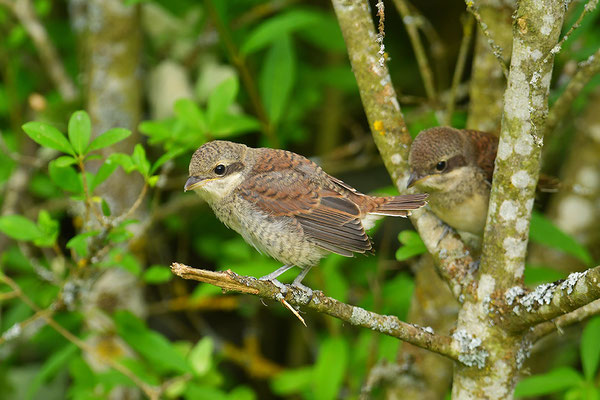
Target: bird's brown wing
point(328, 218)
point(486, 146)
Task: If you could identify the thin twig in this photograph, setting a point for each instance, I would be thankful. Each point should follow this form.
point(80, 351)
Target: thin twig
point(586, 71)
point(424, 67)
point(588, 8)
point(386, 324)
point(133, 208)
point(150, 391)
point(496, 50)
point(460, 66)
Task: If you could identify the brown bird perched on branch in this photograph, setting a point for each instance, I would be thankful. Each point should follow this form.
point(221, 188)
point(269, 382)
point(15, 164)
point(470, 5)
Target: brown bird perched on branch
point(286, 206)
point(455, 167)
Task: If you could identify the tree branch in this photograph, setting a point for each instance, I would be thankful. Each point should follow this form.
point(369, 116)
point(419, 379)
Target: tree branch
point(583, 313)
point(386, 324)
point(587, 70)
point(549, 300)
point(424, 67)
point(391, 135)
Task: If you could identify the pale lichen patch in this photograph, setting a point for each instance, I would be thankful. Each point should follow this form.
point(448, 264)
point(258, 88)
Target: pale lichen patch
point(508, 210)
point(521, 225)
point(547, 23)
point(569, 283)
point(521, 179)
point(536, 54)
point(504, 150)
point(524, 145)
point(541, 295)
point(512, 293)
point(487, 283)
point(470, 352)
point(514, 247)
point(495, 388)
point(396, 159)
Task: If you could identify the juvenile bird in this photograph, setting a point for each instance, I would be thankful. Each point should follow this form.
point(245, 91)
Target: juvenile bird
point(286, 206)
point(455, 167)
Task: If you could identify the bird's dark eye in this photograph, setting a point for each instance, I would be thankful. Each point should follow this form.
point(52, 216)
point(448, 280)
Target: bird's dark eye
point(440, 166)
point(220, 169)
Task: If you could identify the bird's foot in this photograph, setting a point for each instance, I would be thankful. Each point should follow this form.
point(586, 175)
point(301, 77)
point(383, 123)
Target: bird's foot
point(283, 289)
point(304, 288)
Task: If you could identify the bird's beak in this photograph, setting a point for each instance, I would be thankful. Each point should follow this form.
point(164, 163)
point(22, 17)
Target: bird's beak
point(412, 179)
point(193, 182)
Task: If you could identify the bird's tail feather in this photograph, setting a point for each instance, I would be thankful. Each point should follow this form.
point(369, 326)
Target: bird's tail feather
point(399, 206)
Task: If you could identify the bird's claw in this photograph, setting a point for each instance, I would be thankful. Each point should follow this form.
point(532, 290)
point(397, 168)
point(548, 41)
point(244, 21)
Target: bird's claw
point(304, 288)
point(283, 289)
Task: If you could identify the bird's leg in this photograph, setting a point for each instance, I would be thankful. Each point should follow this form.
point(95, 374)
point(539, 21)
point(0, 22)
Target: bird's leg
point(272, 277)
point(297, 282)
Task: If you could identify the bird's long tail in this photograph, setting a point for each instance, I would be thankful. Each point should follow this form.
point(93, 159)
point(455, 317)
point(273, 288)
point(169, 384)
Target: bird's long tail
point(398, 206)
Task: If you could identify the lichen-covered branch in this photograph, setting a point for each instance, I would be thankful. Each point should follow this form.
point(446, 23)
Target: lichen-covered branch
point(495, 48)
point(486, 89)
point(390, 133)
point(535, 33)
point(387, 324)
point(549, 300)
point(536, 28)
point(581, 314)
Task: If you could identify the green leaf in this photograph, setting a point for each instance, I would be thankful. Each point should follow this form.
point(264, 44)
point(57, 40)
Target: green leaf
point(277, 78)
point(50, 229)
point(105, 208)
point(80, 131)
point(537, 274)
point(79, 243)
point(65, 161)
point(65, 178)
point(413, 245)
point(554, 381)
point(242, 393)
point(280, 25)
point(590, 348)
point(103, 173)
point(19, 228)
point(51, 367)
point(48, 136)
point(139, 160)
point(220, 100)
point(150, 344)
point(292, 381)
point(169, 155)
point(123, 160)
point(157, 274)
point(109, 138)
point(325, 33)
point(191, 114)
point(234, 124)
point(543, 231)
point(330, 368)
point(201, 356)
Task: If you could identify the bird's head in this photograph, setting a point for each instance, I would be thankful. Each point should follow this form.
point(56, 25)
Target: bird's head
point(216, 168)
point(438, 158)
